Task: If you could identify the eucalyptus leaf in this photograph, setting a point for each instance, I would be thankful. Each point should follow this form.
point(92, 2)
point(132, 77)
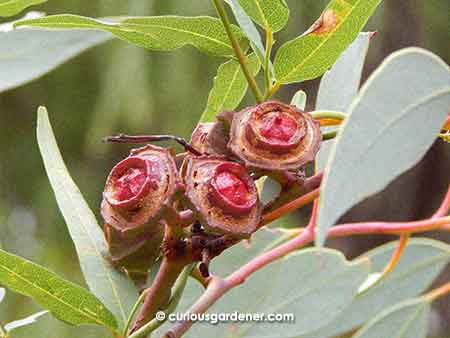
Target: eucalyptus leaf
point(307, 284)
point(248, 27)
point(230, 86)
point(382, 137)
point(339, 86)
point(269, 14)
point(311, 54)
point(421, 262)
point(24, 322)
point(405, 320)
point(65, 300)
point(112, 287)
point(161, 33)
point(28, 54)
point(299, 99)
point(13, 7)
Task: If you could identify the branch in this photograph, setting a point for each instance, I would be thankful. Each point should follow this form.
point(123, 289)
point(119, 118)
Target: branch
point(238, 51)
point(218, 286)
point(122, 138)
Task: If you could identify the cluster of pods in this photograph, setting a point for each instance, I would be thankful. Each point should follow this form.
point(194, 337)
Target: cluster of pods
point(211, 191)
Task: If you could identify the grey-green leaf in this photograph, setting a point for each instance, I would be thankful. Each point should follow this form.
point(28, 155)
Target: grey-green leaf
point(340, 85)
point(389, 128)
point(269, 14)
point(405, 320)
point(27, 54)
point(307, 284)
point(65, 300)
point(230, 86)
point(311, 54)
point(161, 33)
point(112, 287)
point(13, 7)
point(421, 262)
point(24, 322)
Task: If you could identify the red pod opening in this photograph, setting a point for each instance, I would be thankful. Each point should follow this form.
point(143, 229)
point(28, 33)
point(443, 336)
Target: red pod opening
point(232, 189)
point(276, 131)
point(129, 182)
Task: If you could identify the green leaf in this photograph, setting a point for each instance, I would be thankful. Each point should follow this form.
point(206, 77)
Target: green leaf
point(25, 321)
point(389, 128)
point(299, 99)
point(248, 28)
point(161, 33)
point(307, 284)
point(13, 7)
point(65, 300)
point(109, 285)
point(405, 320)
point(421, 262)
point(339, 86)
point(27, 54)
point(269, 14)
point(312, 53)
point(230, 86)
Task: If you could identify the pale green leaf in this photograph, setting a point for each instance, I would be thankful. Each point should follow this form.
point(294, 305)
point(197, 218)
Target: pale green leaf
point(308, 284)
point(112, 287)
point(24, 322)
point(421, 262)
point(299, 99)
point(161, 33)
point(339, 86)
point(13, 7)
point(27, 54)
point(248, 27)
point(405, 320)
point(230, 86)
point(312, 53)
point(389, 128)
point(65, 300)
point(270, 14)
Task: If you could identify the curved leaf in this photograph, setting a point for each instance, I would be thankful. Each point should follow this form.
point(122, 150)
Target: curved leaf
point(110, 286)
point(162, 33)
point(13, 7)
point(65, 300)
point(421, 262)
point(230, 86)
point(312, 53)
point(405, 320)
point(389, 128)
point(27, 54)
point(269, 14)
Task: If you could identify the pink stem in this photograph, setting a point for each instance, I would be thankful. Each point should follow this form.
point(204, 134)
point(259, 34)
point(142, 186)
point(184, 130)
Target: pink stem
point(219, 287)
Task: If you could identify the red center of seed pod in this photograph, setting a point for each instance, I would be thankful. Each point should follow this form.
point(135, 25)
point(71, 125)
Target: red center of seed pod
point(232, 187)
point(130, 183)
point(278, 127)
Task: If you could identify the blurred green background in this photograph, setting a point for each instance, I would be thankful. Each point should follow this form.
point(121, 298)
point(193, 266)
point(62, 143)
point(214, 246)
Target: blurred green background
point(120, 88)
